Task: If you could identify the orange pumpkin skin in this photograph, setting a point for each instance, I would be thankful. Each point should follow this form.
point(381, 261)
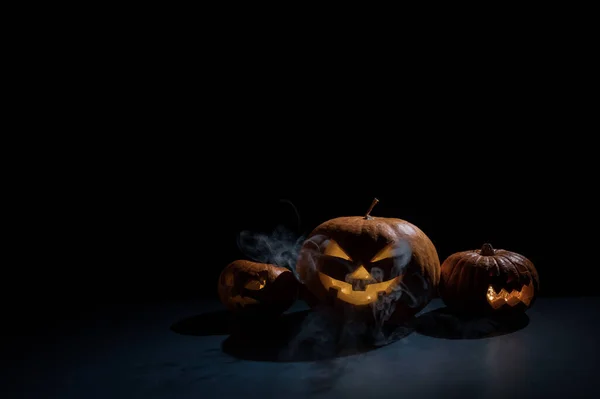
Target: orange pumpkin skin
point(414, 267)
point(257, 288)
point(488, 281)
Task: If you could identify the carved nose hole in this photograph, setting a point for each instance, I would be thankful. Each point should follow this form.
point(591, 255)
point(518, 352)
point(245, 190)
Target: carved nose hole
point(361, 274)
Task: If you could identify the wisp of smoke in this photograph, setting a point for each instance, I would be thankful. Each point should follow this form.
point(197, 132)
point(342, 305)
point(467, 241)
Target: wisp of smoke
point(281, 247)
point(326, 332)
point(383, 309)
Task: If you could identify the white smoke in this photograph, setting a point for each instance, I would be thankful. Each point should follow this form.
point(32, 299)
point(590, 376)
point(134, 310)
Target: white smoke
point(281, 247)
point(325, 333)
point(385, 306)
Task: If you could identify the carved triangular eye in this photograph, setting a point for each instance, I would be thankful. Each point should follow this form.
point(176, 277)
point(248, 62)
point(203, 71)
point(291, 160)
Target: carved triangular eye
point(393, 250)
point(333, 249)
point(386, 252)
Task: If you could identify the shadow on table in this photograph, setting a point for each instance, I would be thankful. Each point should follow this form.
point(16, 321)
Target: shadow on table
point(308, 336)
point(442, 323)
point(305, 335)
point(211, 323)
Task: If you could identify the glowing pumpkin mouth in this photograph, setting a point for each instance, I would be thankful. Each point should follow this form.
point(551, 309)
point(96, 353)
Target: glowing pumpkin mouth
point(363, 297)
point(243, 300)
point(497, 300)
point(250, 286)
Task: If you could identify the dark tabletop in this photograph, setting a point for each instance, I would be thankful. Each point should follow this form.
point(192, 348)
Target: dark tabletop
point(184, 350)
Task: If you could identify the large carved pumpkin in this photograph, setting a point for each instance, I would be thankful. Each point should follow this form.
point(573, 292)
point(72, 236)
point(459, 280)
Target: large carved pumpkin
point(251, 287)
point(386, 268)
point(488, 281)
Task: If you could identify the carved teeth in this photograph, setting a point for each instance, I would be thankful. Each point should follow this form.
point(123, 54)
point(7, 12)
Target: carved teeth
point(359, 285)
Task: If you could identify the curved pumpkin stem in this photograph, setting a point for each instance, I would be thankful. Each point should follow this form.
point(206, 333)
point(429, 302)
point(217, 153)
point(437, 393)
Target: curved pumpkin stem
point(487, 250)
point(367, 215)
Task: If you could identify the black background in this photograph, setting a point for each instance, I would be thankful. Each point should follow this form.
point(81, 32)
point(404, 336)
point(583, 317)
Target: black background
point(145, 202)
point(141, 157)
point(140, 222)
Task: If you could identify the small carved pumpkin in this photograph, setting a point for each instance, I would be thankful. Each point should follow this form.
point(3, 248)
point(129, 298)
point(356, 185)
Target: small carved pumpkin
point(488, 281)
point(246, 286)
point(384, 267)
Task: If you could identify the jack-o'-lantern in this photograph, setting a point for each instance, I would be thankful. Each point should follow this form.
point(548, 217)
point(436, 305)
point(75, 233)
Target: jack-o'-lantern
point(488, 281)
point(386, 268)
point(246, 286)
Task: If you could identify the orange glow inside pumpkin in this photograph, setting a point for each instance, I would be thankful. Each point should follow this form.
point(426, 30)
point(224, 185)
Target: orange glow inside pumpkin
point(347, 294)
point(497, 300)
point(344, 289)
point(333, 249)
point(252, 285)
point(255, 285)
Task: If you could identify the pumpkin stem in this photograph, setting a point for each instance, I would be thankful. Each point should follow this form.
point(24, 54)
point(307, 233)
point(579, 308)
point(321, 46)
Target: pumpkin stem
point(487, 250)
point(367, 215)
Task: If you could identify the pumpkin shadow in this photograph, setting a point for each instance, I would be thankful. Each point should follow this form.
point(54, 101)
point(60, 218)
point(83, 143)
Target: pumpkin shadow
point(303, 336)
point(218, 322)
point(443, 323)
point(225, 322)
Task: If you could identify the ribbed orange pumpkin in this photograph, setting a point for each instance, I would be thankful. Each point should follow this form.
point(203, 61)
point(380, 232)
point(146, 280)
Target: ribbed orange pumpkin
point(488, 281)
point(379, 267)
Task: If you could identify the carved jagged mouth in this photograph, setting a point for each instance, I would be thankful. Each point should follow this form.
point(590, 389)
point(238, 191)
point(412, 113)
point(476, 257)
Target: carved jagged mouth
point(251, 285)
point(243, 300)
point(366, 293)
point(497, 300)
